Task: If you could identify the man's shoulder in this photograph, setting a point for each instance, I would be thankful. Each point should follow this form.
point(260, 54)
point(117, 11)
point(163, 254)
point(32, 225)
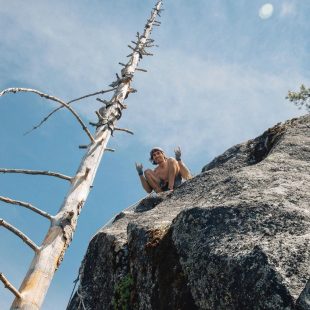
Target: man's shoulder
point(171, 159)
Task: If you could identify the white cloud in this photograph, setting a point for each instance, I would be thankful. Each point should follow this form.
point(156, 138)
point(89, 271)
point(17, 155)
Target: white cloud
point(205, 105)
point(184, 99)
point(39, 42)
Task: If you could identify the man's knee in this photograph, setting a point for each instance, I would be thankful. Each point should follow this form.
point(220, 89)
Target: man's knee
point(148, 173)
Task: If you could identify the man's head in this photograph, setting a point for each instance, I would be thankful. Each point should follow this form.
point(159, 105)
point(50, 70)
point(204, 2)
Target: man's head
point(157, 154)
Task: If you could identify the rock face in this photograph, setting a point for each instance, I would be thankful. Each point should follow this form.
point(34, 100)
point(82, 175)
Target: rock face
point(237, 236)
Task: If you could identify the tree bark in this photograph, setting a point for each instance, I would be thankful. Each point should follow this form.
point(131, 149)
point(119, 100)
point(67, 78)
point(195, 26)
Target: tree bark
point(63, 225)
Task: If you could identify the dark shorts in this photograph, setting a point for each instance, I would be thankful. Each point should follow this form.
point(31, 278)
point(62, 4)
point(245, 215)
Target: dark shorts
point(177, 182)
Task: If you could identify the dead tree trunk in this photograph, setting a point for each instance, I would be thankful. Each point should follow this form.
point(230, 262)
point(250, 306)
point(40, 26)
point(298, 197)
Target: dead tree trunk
point(49, 255)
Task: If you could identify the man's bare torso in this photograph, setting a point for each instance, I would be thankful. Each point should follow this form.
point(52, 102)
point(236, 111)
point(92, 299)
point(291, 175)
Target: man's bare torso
point(162, 171)
point(168, 173)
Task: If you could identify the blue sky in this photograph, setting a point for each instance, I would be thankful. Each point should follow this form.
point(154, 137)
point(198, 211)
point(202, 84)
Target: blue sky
point(219, 77)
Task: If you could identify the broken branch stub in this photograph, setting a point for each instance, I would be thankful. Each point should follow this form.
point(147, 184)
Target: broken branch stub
point(123, 83)
point(124, 129)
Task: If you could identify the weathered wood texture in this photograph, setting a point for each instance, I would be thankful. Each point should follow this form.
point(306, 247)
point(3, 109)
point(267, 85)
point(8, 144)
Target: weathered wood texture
point(63, 225)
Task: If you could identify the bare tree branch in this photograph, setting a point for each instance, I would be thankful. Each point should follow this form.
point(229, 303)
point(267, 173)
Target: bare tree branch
point(26, 205)
point(43, 120)
point(9, 286)
point(83, 146)
point(122, 129)
point(29, 90)
point(140, 69)
point(69, 102)
point(61, 231)
point(19, 234)
point(37, 172)
point(93, 94)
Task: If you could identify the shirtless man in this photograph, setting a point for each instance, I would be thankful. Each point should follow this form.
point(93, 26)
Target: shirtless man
point(167, 175)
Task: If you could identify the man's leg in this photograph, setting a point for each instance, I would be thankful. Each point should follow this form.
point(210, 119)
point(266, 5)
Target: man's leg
point(173, 171)
point(185, 173)
point(153, 180)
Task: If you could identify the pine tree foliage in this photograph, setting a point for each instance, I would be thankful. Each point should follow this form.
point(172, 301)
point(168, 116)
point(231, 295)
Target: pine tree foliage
point(300, 99)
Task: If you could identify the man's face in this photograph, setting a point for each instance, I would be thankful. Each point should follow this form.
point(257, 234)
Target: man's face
point(158, 156)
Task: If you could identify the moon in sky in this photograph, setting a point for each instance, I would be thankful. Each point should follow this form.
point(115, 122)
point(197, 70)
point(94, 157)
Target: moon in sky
point(266, 11)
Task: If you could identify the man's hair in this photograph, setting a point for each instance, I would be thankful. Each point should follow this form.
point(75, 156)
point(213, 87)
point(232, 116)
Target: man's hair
point(153, 150)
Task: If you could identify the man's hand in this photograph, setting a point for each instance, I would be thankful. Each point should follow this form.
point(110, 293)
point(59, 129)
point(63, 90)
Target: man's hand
point(177, 152)
point(139, 168)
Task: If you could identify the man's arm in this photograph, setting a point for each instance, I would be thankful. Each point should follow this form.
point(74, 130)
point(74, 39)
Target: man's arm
point(143, 181)
point(185, 173)
point(172, 172)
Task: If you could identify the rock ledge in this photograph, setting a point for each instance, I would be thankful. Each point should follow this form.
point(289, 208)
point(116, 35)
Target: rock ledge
point(237, 236)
